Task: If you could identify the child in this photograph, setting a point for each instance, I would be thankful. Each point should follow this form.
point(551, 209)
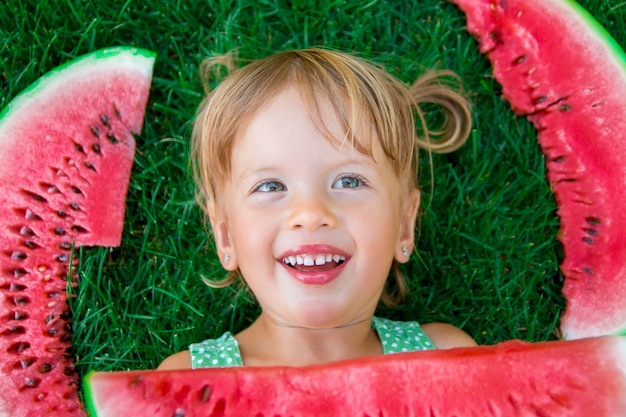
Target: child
point(306, 164)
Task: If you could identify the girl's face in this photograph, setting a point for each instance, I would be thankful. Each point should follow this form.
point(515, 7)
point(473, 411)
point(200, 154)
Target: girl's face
point(312, 225)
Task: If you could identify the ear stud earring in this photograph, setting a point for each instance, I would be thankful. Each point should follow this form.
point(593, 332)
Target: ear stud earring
point(226, 258)
point(405, 251)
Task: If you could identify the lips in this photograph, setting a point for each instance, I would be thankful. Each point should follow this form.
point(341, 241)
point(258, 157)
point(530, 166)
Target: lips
point(317, 264)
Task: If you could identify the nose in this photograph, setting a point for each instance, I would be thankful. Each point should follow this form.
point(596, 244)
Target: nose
point(311, 212)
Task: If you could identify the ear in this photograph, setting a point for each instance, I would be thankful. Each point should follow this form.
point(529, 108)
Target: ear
point(223, 242)
point(407, 227)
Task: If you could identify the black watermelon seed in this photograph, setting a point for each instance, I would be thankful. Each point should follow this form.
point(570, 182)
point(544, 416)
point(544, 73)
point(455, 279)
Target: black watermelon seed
point(179, 413)
point(59, 231)
point(560, 159)
point(21, 301)
point(13, 331)
point(206, 394)
point(74, 206)
point(519, 60)
point(30, 215)
point(18, 255)
point(90, 166)
point(79, 229)
point(95, 131)
point(45, 368)
point(591, 232)
point(16, 287)
point(565, 108)
point(53, 294)
point(18, 347)
point(24, 363)
point(66, 338)
point(588, 240)
point(76, 190)
point(52, 331)
point(34, 196)
point(19, 272)
point(594, 221)
point(26, 231)
point(20, 315)
point(66, 315)
point(96, 148)
point(49, 318)
point(68, 371)
point(17, 330)
point(65, 245)
point(61, 214)
point(111, 137)
point(79, 147)
point(31, 245)
point(105, 120)
point(32, 382)
point(540, 99)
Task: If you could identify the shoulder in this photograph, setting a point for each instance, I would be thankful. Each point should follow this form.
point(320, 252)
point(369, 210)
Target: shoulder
point(180, 360)
point(446, 336)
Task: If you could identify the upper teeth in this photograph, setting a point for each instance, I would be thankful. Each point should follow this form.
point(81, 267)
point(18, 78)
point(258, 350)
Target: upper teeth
point(310, 260)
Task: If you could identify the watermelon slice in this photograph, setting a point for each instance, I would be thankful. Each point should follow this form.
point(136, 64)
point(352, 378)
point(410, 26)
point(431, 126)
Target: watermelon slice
point(559, 67)
point(579, 378)
point(66, 151)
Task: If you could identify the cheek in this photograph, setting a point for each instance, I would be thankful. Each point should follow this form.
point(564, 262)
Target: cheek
point(378, 228)
point(251, 235)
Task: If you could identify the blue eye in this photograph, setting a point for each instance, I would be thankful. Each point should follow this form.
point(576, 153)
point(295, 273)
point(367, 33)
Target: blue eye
point(270, 187)
point(348, 182)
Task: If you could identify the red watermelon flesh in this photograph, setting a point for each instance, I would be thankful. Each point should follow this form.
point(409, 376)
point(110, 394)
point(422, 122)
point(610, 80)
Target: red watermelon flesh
point(559, 67)
point(580, 378)
point(66, 152)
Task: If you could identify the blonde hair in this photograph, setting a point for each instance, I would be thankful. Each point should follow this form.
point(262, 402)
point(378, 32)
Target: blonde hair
point(359, 92)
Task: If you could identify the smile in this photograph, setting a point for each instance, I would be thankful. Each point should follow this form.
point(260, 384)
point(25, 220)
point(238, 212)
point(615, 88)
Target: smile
point(318, 269)
point(313, 260)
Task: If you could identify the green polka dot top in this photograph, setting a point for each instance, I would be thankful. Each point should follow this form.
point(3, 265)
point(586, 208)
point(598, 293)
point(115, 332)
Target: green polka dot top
point(396, 336)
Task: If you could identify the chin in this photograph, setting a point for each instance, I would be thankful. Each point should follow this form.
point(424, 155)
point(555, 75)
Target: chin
point(321, 318)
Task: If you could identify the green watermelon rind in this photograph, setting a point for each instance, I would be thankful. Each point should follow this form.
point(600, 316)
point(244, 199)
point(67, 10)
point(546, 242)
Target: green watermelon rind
point(88, 396)
point(599, 30)
point(77, 64)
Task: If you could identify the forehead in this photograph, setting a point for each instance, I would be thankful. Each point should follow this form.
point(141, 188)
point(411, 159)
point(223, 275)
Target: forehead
point(334, 118)
point(283, 137)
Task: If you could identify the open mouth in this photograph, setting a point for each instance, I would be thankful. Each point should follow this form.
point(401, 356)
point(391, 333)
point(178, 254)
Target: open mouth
point(314, 263)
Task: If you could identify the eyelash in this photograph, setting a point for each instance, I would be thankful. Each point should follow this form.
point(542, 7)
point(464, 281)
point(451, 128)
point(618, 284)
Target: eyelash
point(361, 181)
point(263, 184)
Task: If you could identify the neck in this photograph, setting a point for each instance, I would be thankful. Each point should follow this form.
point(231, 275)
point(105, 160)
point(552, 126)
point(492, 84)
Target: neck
point(268, 342)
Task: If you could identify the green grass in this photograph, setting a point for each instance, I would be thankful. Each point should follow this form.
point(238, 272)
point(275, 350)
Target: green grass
point(488, 256)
